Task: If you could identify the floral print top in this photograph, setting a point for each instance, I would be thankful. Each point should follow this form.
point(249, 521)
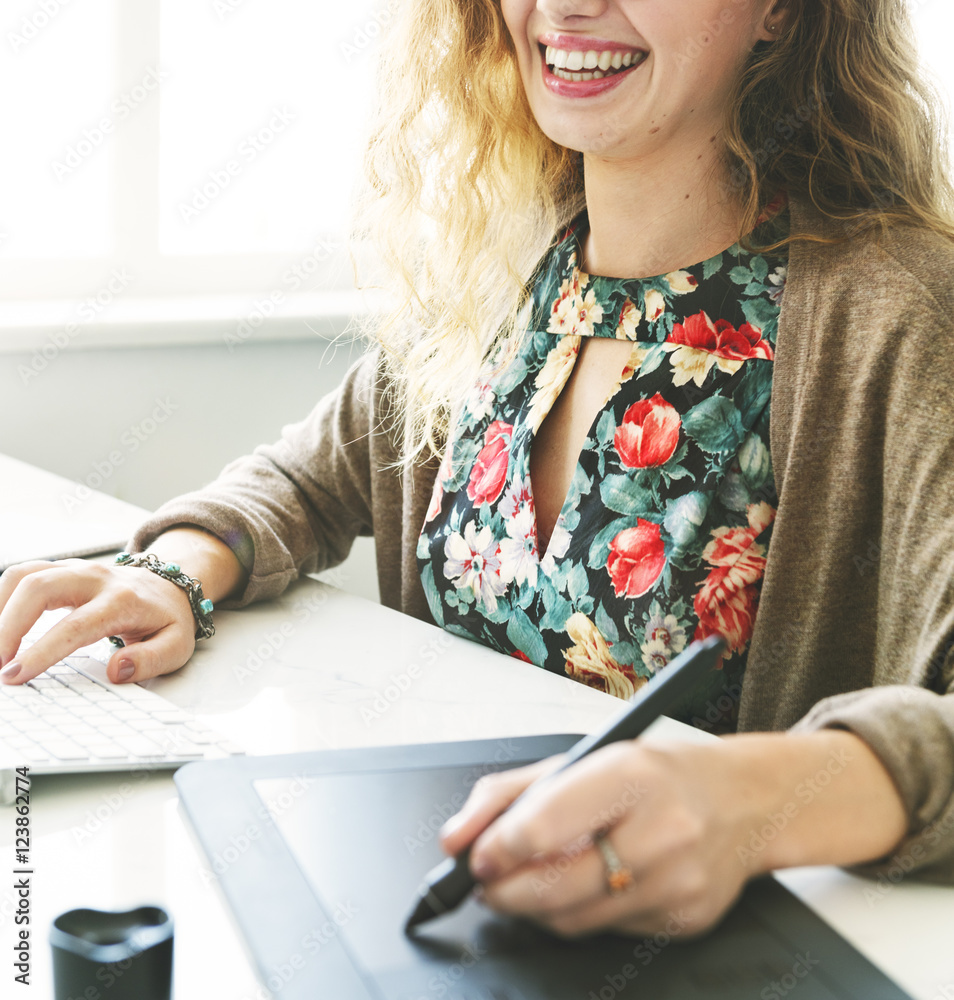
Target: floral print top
point(663, 535)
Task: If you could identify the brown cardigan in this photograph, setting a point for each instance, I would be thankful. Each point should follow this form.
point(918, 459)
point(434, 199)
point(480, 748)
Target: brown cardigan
point(855, 627)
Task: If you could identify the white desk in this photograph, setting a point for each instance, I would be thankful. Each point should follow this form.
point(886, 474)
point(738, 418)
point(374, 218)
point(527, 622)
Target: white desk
point(322, 669)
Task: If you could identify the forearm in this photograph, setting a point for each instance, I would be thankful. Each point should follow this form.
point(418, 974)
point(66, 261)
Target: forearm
point(813, 798)
point(205, 557)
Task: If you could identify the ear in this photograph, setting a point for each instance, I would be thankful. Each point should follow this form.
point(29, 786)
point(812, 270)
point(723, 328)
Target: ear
point(774, 20)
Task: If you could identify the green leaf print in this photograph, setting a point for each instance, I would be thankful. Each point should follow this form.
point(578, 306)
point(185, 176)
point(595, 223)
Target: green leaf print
point(715, 425)
point(622, 494)
point(606, 625)
point(762, 314)
point(432, 594)
point(712, 265)
point(525, 636)
point(740, 275)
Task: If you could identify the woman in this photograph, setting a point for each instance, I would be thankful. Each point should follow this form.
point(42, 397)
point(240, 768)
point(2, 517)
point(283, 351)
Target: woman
point(609, 484)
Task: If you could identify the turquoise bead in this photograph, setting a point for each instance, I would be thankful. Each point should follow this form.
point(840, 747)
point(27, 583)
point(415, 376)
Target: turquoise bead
point(206, 606)
point(173, 569)
point(123, 557)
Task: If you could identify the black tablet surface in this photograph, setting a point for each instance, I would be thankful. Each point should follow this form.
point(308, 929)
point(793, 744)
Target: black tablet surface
point(320, 855)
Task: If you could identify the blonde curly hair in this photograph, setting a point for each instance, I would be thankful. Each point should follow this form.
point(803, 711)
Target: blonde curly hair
point(464, 193)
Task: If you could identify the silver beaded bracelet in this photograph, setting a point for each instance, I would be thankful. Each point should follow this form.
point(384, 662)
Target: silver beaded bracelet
point(201, 606)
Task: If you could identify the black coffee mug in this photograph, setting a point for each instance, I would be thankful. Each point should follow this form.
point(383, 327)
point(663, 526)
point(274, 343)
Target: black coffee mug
point(122, 956)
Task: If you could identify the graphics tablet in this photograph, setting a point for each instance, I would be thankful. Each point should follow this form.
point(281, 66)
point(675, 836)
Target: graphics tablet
point(320, 855)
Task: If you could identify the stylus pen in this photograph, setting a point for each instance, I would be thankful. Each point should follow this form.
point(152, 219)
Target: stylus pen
point(451, 882)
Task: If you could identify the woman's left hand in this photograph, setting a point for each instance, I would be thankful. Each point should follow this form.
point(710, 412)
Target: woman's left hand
point(691, 824)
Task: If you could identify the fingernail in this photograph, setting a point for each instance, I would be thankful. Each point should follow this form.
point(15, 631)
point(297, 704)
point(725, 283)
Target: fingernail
point(452, 825)
point(10, 671)
point(126, 669)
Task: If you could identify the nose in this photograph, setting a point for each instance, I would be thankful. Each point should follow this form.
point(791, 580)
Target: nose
point(567, 11)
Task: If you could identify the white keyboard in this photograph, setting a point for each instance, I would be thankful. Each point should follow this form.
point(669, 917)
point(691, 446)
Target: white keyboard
point(71, 718)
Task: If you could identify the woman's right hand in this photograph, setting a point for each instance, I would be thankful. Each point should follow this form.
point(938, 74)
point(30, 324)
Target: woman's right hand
point(150, 614)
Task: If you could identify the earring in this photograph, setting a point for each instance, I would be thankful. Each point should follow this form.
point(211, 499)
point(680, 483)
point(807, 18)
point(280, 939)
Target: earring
point(772, 28)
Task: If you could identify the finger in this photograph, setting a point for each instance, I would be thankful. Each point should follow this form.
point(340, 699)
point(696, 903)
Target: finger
point(84, 626)
point(161, 653)
point(590, 796)
point(489, 797)
point(9, 581)
point(41, 589)
point(570, 893)
point(12, 575)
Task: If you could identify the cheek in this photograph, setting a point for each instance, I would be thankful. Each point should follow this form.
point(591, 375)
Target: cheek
point(516, 14)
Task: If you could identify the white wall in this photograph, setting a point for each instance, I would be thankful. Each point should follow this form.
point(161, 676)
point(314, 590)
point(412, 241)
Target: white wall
point(146, 423)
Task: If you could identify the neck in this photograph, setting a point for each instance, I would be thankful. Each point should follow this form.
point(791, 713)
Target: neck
point(658, 214)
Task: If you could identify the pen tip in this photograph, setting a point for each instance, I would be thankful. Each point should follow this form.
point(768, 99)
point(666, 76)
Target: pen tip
point(422, 913)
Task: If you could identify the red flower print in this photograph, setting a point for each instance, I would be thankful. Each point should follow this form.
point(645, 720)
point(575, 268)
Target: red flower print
point(649, 433)
point(720, 338)
point(636, 559)
point(489, 473)
point(728, 599)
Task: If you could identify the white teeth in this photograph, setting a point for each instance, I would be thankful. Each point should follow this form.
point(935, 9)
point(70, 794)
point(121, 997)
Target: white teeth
point(567, 64)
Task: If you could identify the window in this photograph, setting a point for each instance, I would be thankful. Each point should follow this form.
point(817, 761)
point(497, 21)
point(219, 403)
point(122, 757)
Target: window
point(231, 184)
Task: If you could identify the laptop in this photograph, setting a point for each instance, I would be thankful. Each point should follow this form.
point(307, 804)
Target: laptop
point(320, 855)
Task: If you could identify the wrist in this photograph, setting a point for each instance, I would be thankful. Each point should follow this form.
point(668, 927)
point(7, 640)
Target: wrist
point(204, 557)
point(813, 798)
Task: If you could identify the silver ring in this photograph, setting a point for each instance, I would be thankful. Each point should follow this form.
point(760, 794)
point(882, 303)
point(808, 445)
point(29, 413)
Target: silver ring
point(619, 877)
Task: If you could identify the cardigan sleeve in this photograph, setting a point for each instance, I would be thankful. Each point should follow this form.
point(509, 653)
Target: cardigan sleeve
point(863, 615)
point(908, 719)
point(297, 505)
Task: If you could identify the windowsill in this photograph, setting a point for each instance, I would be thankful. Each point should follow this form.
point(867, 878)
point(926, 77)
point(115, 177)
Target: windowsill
point(205, 320)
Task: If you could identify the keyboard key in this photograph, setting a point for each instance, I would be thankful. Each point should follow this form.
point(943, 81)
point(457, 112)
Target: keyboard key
point(107, 751)
point(170, 714)
point(140, 746)
point(65, 750)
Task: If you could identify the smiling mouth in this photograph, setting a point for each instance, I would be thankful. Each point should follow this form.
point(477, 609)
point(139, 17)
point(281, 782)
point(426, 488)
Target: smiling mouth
point(594, 64)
